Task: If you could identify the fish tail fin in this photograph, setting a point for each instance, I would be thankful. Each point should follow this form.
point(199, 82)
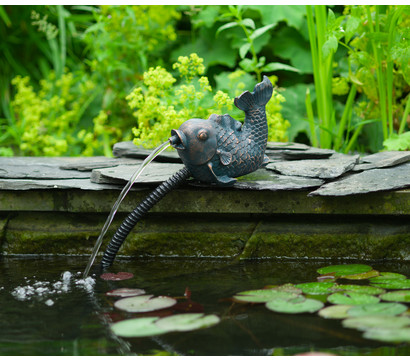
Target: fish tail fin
point(259, 97)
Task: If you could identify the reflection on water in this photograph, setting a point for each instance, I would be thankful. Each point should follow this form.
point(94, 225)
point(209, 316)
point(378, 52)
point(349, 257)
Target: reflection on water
point(46, 308)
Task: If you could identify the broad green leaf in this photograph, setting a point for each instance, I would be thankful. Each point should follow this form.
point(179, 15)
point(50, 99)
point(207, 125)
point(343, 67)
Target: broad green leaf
point(376, 321)
point(362, 276)
point(397, 296)
point(286, 288)
point(352, 25)
point(377, 309)
point(248, 23)
point(144, 303)
point(247, 64)
point(263, 295)
point(293, 15)
point(352, 298)
point(392, 284)
point(125, 292)
point(137, 327)
point(295, 305)
point(389, 276)
point(187, 322)
point(389, 334)
point(244, 50)
point(225, 27)
point(329, 47)
point(364, 289)
point(342, 270)
point(273, 66)
point(261, 31)
point(335, 312)
point(316, 288)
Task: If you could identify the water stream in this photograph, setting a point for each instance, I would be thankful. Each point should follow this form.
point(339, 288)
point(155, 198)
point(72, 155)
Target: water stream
point(121, 197)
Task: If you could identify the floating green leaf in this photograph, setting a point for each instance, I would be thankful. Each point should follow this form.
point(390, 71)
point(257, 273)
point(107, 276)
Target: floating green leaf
point(285, 287)
point(347, 269)
point(388, 276)
point(362, 276)
point(125, 292)
point(295, 305)
point(392, 284)
point(389, 334)
point(363, 289)
point(137, 327)
point(263, 295)
point(187, 322)
point(398, 296)
point(316, 288)
point(352, 298)
point(376, 321)
point(144, 303)
point(335, 312)
point(377, 309)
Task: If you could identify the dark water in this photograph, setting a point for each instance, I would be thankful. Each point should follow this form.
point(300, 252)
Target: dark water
point(75, 320)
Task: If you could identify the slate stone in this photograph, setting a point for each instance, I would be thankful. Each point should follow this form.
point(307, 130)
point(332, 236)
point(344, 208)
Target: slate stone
point(382, 160)
point(39, 171)
point(271, 145)
point(98, 162)
point(397, 177)
point(331, 168)
point(311, 153)
point(153, 173)
point(32, 184)
point(267, 180)
point(128, 149)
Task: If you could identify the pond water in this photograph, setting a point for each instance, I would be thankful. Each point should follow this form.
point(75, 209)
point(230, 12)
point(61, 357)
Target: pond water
point(47, 309)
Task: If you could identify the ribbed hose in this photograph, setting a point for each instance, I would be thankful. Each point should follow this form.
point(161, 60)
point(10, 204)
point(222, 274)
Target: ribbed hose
point(136, 215)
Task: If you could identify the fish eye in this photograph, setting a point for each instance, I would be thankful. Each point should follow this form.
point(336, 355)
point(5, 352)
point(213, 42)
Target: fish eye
point(202, 135)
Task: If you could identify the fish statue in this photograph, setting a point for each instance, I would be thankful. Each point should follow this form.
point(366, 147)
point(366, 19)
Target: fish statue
point(221, 148)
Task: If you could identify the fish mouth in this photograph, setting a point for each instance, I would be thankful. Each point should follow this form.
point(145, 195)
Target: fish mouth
point(178, 139)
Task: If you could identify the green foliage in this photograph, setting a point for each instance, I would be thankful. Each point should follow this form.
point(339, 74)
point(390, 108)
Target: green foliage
point(163, 103)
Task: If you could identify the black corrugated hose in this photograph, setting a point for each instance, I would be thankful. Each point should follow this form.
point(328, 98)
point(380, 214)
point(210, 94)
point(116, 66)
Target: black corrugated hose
point(136, 215)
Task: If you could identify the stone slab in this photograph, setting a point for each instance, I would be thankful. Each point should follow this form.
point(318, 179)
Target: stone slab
point(272, 145)
point(128, 149)
point(397, 177)
point(330, 168)
point(311, 153)
point(38, 171)
point(98, 162)
point(382, 159)
point(153, 173)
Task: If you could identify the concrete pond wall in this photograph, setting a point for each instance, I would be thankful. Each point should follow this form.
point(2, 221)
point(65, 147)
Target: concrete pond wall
point(59, 205)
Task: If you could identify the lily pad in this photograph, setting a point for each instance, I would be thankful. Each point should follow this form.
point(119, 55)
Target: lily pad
point(363, 289)
point(376, 321)
point(392, 284)
point(144, 303)
point(389, 334)
point(263, 295)
point(377, 309)
point(187, 322)
point(316, 288)
point(125, 292)
point(389, 276)
point(335, 312)
point(362, 276)
point(137, 327)
point(398, 296)
point(286, 288)
point(117, 277)
point(343, 270)
point(352, 298)
point(295, 305)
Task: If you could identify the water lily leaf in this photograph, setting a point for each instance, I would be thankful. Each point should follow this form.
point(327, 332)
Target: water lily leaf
point(263, 295)
point(377, 309)
point(389, 334)
point(144, 303)
point(392, 284)
point(125, 292)
point(137, 327)
point(363, 289)
point(376, 321)
point(398, 296)
point(316, 288)
point(343, 270)
point(187, 322)
point(362, 276)
point(335, 312)
point(295, 305)
point(117, 277)
point(286, 288)
point(389, 276)
point(352, 298)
